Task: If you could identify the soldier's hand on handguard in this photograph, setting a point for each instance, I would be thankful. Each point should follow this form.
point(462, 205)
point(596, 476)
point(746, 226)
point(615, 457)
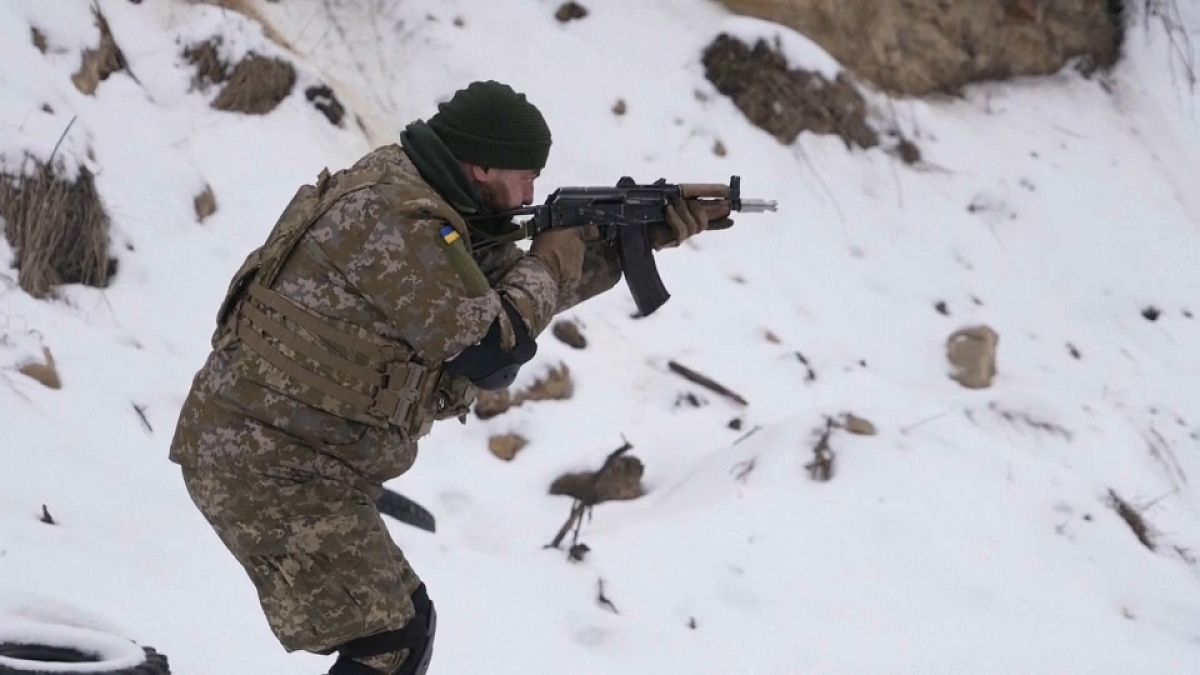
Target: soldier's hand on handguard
point(562, 251)
point(703, 207)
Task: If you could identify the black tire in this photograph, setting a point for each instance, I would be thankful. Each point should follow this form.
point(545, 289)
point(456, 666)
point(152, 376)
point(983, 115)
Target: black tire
point(40, 649)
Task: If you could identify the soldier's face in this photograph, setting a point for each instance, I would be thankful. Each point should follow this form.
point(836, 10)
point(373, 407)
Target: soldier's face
point(505, 189)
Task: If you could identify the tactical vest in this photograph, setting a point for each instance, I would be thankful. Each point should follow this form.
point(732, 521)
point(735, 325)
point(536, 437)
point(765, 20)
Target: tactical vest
point(336, 366)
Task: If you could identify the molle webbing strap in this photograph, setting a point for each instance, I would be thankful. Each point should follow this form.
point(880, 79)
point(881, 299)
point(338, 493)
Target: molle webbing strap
point(352, 343)
point(312, 350)
point(395, 387)
point(250, 336)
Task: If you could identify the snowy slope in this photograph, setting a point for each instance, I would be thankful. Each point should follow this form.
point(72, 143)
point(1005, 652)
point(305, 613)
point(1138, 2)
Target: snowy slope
point(972, 534)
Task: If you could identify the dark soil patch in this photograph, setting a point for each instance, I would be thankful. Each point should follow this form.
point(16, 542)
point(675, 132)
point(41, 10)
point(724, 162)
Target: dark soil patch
point(256, 86)
point(206, 58)
point(323, 98)
point(785, 101)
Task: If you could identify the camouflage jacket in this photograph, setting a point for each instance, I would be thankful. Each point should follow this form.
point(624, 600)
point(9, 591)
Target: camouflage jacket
point(374, 266)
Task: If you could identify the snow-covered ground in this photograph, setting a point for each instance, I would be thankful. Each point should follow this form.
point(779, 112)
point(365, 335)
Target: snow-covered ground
point(974, 533)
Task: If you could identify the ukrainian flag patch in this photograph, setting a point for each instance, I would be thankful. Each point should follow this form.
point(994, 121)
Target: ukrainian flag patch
point(474, 283)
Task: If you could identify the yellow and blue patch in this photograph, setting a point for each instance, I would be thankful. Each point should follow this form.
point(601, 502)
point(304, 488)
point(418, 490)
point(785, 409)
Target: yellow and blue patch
point(449, 234)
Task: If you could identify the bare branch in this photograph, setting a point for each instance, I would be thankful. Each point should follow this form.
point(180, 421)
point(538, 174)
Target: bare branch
point(821, 468)
point(602, 599)
point(141, 411)
point(703, 381)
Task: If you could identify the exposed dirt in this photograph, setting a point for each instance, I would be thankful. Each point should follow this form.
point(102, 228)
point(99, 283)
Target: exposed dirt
point(256, 86)
point(915, 47)
point(784, 101)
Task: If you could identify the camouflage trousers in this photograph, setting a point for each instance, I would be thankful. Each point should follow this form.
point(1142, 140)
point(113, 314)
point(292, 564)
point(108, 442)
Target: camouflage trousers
point(325, 567)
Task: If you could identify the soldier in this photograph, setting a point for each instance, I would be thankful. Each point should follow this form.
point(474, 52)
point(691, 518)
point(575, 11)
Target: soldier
point(384, 297)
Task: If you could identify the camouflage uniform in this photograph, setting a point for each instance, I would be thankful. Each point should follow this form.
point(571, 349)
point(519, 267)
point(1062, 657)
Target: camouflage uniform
point(286, 464)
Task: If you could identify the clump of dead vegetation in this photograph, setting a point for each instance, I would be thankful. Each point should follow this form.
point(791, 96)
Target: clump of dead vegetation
point(57, 228)
point(570, 11)
point(618, 478)
point(569, 332)
point(821, 467)
point(555, 385)
point(45, 372)
point(205, 57)
point(98, 63)
point(784, 101)
point(506, 446)
point(205, 203)
point(256, 85)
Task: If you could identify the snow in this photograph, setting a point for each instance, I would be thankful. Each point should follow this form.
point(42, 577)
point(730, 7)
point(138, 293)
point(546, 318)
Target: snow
point(972, 534)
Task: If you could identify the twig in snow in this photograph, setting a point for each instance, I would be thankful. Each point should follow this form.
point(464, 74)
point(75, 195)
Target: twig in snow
point(914, 425)
point(602, 599)
point(141, 411)
point(821, 468)
point(60, 140)
point(707, 383)
point(574, 520)
point(741, 470)
point(811, 376)
point(748, 434)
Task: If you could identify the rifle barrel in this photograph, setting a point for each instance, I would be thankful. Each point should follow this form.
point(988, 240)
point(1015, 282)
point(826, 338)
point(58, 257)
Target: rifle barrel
point(758, 205)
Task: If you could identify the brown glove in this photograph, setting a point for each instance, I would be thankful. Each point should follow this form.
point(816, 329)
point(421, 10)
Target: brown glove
point(714, 198)
point(703, 207)
point(562, 251)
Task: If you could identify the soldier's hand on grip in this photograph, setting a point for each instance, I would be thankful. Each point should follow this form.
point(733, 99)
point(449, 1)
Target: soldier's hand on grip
point(562, 251)
point(714, 197)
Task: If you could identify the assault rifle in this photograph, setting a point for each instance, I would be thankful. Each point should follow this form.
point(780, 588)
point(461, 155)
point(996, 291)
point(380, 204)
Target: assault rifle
point(629, 214)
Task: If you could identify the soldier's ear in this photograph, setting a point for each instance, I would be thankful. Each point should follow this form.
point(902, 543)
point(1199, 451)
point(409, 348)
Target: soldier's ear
point(475, 172)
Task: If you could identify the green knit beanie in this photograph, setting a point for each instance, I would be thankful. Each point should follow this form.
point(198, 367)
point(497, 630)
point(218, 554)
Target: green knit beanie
point(491, 125)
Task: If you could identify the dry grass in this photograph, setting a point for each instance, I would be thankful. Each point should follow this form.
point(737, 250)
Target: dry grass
point(256, 85)
point(57, 229)
point(247, 9)
point(1183, 55)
